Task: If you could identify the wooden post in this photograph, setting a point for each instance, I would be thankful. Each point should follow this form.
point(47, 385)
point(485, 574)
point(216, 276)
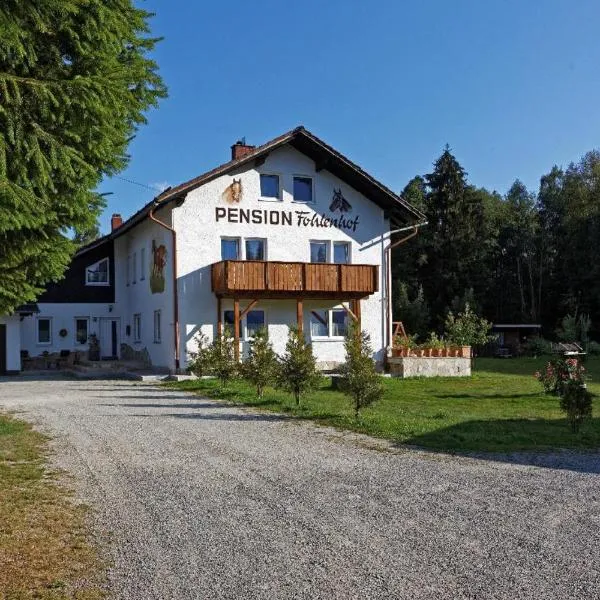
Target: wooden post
point(300, 315)
point(219, 318)
point(236, 329)
point(357, 312)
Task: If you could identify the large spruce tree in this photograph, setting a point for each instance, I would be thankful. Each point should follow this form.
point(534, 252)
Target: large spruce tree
point(75, 83)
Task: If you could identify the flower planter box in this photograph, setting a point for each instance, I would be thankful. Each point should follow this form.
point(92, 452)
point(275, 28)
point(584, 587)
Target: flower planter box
point(423, 366)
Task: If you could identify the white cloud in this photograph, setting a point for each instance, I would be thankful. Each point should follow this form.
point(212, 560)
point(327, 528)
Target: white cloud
point(160, 186)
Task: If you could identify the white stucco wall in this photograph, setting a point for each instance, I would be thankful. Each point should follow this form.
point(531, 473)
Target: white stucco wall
point(137, 297)
point(63, 316)
point(13, 342)
point(199, 236)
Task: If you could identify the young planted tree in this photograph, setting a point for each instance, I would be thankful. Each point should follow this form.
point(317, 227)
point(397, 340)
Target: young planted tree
point(359, 379)
point(221, 358)
point(75, 84)
point(215, 358)
point(467, 329)
point(297, 371)
point(260, 368)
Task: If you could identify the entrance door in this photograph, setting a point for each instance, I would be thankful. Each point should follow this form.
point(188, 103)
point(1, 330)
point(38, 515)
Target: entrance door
point(109, 338)
point(3, 350)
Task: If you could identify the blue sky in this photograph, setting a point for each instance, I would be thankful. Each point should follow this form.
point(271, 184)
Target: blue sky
point(512, 85)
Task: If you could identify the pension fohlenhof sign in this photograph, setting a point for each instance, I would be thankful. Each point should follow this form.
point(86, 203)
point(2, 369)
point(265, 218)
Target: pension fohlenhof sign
point(291, 218)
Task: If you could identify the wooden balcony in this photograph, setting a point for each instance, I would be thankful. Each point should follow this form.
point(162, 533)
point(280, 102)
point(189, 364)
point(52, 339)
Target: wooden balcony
point(269, 279)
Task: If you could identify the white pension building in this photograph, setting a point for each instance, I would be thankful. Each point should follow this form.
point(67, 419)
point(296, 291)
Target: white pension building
point(288, 233)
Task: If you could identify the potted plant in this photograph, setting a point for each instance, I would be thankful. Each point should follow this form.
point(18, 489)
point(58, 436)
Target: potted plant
point(436, 344)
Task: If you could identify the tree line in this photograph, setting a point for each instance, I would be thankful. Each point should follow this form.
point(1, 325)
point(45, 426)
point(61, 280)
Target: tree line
point(522, 257)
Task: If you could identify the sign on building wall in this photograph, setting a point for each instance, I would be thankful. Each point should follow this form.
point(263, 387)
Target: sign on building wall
point(337, 216)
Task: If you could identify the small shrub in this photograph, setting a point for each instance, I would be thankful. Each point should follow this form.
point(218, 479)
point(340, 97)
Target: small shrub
point(576, 402)
point(199, 363)
point(558, 372)
point(216, 358)
point(467, 329)
point(260, 368)
point(359, 380)
point(538, 346)
point(297, 371)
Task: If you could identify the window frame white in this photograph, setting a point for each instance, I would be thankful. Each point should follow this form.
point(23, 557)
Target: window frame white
point(134, 268)
point(128, 268)
point(255, 239)
point(335, 243)
point(247, 336)
point(87, 330)
point(98, 283)
point(157, 327)
point(329, 336)
point(137, 328)
point(37, 331)
point(312, 189)
point(279, 196)
point(327, 251)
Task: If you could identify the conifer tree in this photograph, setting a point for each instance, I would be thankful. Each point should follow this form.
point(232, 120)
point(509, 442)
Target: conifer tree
point(297, 368)
point(75, 83)
point(359, 379)
point(260, 368)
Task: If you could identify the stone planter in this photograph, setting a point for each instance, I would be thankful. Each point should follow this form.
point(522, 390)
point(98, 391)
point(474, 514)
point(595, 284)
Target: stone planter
point(414, 366)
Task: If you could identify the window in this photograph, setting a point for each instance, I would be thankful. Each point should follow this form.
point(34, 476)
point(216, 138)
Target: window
point(318, 252)
point(341, 253)
point(255, 320)
point(230, 249)
point(255, 249)
point(142, 264)
point(303, 189)
point(81, 331)
point(319, 323)
point(128, 269)
point(339, 323)
point(97, 274)
point(328, 323)
point(269, 187)
point(228, 322)
point(157, 324)
point(44, 331)
point(134, 269)
point(137, 328)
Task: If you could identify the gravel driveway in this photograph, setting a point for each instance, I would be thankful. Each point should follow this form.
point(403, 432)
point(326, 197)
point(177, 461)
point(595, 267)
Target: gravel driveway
point(195, 499)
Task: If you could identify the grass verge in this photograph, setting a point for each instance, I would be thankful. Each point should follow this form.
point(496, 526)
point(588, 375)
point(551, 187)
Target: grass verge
point(43, 550)
point(501, 408)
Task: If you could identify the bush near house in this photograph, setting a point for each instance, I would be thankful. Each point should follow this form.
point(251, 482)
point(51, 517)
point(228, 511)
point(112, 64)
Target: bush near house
point(359, 380)
point(297, 372)
point(261, 366)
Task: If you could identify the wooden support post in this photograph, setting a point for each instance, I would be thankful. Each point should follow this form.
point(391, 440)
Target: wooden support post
point(236, 329)
point(219, 318)
point(357, 312)
point(300, 314)
point(249, 307)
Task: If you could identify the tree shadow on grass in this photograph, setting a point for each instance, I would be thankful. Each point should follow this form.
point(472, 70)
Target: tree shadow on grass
point(547, 443)
point(488, 396)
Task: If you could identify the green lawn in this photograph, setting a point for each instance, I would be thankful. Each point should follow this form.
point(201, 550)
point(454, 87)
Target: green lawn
point(499, 409)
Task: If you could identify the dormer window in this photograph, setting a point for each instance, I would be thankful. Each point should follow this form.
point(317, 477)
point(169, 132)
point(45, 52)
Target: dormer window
point(97, 274)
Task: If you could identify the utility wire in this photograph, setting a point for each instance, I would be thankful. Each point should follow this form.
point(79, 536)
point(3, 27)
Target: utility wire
point(153, 189)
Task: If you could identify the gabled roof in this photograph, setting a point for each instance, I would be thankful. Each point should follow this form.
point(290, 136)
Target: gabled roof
point(398, 210)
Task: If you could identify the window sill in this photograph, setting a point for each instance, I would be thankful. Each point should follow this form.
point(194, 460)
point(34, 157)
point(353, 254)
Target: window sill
point(88, 284)
point(268, 199)
point(337, 338)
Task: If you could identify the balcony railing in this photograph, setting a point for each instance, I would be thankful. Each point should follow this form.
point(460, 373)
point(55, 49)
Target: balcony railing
point(269, 279)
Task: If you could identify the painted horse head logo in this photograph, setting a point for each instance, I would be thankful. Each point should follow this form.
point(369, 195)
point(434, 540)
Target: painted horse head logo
point(233, 192)
point(339, 202)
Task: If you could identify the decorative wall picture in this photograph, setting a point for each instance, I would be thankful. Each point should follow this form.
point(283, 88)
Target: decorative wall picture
point(157, 275)
point(233, 192)
point(339, 202)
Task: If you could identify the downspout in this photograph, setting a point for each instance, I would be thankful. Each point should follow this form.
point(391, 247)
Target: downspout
point(388, 275)
point(175, 293)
